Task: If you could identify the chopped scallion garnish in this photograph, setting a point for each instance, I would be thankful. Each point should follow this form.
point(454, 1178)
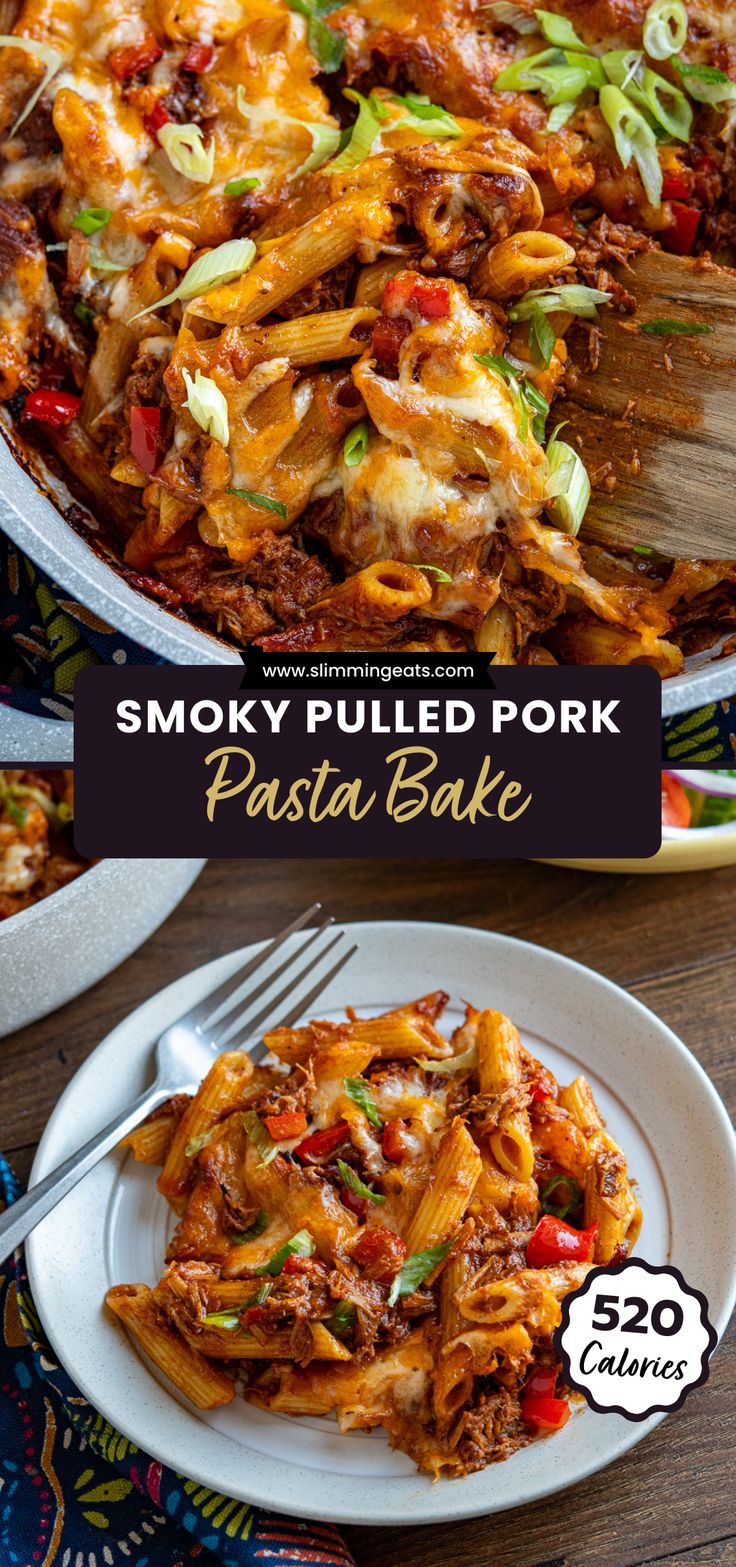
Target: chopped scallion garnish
point(667, 326)
point(569, 1196)
point(357, 1089)
point(415, 1270)
point(542, 337)
point(355, 444)
point(355, 1185)
point(261, 1136)
point(92, 219)
point(239, 187)
point(665, 29)
point(264, 501)
point(300, 1245)
point(568, 489)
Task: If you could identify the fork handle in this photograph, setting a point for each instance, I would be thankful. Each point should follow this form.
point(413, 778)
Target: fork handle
point(23, 1216)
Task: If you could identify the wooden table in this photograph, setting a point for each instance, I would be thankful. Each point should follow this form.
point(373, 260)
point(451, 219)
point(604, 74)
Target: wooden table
point(671, 940)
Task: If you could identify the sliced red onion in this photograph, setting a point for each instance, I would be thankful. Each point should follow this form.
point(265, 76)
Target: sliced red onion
point(706, 780)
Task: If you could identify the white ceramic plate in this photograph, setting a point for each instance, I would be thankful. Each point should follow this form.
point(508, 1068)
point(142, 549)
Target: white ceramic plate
point(655, 1097)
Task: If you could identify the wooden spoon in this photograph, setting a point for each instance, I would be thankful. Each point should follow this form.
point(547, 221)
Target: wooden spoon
point(661, 411)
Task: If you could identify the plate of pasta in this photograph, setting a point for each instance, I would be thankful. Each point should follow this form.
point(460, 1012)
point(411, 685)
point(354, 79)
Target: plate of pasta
point(338, 1291)
point(288, 303)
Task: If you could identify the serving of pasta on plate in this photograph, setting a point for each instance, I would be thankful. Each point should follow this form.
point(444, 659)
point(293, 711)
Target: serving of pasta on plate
point(380, 1223)
point(286, 290)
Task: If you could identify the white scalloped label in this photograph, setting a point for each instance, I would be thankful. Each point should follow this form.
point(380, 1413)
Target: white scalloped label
point(635, 1339)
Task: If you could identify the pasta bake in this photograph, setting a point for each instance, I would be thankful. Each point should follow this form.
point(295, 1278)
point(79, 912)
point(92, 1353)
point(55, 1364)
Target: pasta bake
point(288, 288)
point(37, 855)
point(381, 1224)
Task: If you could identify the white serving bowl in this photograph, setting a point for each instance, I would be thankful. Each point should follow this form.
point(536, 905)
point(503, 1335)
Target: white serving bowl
point(62, 945)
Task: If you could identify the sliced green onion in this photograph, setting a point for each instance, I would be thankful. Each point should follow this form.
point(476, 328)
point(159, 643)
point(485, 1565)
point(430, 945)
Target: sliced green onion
point(666, 326)
point(515, 77)
point(327, 46)
point(300, 1245)
point(325, 138)
point(84, 312)
point(662, 104)
point(51, 58)
point(207, 405)
point(430, 116)
point(196, 1144)
point(509, 15)
point(355, 444)
point(542, 337)
point(568, 490)
point(415, 1270)
point(558, 30)
point(590, 64)
point(559, 83)
point(102, 263)
point(239, 187)
point(17, 813)
point(186, 151)
point(498, 363)
point(420, 565)
point(705, 83)
point(559, 116)
point(264, 501)
point(354, 1183)
point(576, 298)
point(357, 1089)
point(342, 1319)
point(260, 1136)
point(539, 406)
point(466, 1062)
point(221, 265)
point(230, 1319)
point(633, 139)
point(260, 1223)
point(560, 1210)
point(665, 28)
point(367, 128)
point(92, 219)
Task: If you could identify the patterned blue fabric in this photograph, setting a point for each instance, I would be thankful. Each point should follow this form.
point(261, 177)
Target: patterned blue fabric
point(703, 738)
point(74, 1492)
point(49, 638)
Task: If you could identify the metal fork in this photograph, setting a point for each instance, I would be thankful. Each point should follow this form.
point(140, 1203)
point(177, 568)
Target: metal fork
point(184, 1053)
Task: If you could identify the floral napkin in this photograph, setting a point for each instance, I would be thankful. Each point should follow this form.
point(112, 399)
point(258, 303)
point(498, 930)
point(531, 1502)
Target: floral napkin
point(74, 1492)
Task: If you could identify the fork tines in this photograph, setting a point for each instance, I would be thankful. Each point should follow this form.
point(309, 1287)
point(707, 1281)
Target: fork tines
point(226, 1016)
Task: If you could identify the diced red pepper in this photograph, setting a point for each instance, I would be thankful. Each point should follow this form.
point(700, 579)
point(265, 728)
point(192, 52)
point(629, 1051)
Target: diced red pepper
point(283, 1127)
point(394, 1141)
point(52, 407)
point(674, 188)
point(323, 1143)
point(357, 1205)
point(198, 58)
point(410, 291)
point(560, 223)
point(256, 1314)
point(542, 1086)
point(539, 1407)
point(545, 1414)
point(680, 237)
point(135, 57)
point(380, 1252)
point(555, 1241)
point(145, 438)
point(158, 116)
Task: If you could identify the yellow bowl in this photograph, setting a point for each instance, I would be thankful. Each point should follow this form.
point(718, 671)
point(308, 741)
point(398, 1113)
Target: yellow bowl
point(683, 849)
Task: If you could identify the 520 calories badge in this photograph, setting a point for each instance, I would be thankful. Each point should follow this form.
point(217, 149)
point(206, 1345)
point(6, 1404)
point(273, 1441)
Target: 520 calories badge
point(635, 1339)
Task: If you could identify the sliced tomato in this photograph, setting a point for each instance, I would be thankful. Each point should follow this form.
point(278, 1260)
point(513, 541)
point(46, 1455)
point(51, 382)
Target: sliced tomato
point(674, 188)
point(540, 1382)
point(544, 1414)
point(413, 291)
point(676, 808)
point(51, 407)
point(357, 1205)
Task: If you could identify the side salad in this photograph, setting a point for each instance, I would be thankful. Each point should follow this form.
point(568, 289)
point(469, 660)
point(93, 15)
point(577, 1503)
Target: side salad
point(698, 797)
